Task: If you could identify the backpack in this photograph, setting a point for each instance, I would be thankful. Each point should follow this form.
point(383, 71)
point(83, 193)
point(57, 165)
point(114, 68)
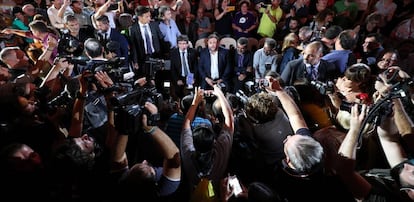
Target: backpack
point(204, 192)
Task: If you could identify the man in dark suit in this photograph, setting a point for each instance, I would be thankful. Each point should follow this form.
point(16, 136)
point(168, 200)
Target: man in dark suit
point(310, 67)
point(214, 66)
point(106, 33)
point(141, 48)
point(243, 60)
point(183, 69)
point(300, 73)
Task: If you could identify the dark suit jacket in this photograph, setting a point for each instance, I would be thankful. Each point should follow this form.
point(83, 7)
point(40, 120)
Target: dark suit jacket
point(224, 67)
point(137, 42)
point(247, 62)
point(295, 70)
point(176, 65)
point(123, 42)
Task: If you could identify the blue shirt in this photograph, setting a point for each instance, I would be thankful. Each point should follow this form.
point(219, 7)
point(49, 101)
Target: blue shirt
point(339, 58)
point(170, 32)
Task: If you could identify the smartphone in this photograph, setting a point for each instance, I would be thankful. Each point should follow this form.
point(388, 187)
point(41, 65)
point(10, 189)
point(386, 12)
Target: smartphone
point(235, 185)
point(231, 8)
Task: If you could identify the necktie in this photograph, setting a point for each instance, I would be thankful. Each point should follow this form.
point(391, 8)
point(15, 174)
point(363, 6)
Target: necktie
point(314, 73)
point(183, 60)
point(105, 36)
point(147, 40)
point(240, 62)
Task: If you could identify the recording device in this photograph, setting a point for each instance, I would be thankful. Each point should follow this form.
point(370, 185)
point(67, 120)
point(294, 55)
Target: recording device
point(250, 88)
point(234, 184)
point(400, 88)
point(154, 65)
point(112, 67)
point(231, 8)
point(80, 60)
point(68, 44)
point(222, 87)
point(242, 97)
point(323, 88)
point(347, 106)
point(263, 83)
point(264, 5)
point(62, 100)
point(129, 108)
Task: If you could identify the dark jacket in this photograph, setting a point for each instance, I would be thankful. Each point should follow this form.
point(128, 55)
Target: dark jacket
point(295, 70)
point(204, 66)
point(176, 66)
point(138, 54)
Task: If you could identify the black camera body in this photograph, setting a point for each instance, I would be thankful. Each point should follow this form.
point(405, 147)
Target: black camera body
point(263, 83)
point(347, 106)
point(112, 67)
point(154, 65)
point(324, 88)
point(69, 45)
point(242, 97)
point(129, 108)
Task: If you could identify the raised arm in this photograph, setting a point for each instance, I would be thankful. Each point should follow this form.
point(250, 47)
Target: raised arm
point(404, 124)
point(189, 117)
point(226, 108)
point(295, 116)
point(76, 125)
point(358, 185)
point(390, 141)
point(168, 149)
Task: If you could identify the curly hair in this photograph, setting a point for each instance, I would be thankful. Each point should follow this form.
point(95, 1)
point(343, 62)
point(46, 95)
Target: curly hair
point(262, 107)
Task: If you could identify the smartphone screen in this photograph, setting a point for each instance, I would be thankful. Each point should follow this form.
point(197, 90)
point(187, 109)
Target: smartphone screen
point(235, 185)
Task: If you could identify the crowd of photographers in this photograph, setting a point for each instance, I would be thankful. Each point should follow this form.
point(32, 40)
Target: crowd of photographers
point(102, 105)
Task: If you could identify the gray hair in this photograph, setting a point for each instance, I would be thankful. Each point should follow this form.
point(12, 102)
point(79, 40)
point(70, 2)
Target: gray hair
point(305, 153)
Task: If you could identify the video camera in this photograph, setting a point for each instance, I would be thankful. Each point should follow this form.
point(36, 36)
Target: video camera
point(69, 44)
point(75, 60)
point(113, 68)
point(323, 88)
point(154, 65)
point(129, 108)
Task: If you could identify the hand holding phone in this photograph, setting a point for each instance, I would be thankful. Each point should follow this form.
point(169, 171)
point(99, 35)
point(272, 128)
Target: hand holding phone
point(234, 184)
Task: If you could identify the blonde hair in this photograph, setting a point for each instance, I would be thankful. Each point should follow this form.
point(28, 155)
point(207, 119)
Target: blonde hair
point(290, 40)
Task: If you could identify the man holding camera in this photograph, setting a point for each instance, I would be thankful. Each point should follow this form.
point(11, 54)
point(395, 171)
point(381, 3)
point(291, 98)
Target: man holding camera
point(71, 42)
